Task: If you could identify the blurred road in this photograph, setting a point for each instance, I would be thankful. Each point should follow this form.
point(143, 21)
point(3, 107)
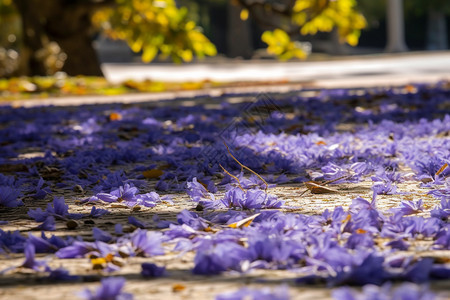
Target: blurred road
point(341, 72)
point(354, 71)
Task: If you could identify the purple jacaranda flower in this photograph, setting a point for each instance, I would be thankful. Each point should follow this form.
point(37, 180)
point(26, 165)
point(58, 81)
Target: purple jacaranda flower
point(191, 219)
point(384, 188)
point(118, 229)
point(150, 270)
point(56, 241)
point(428, 167)
point(364, 215)
point(137, 223)
point(48, 224)
point(59, 210)
point(276, 248)
point(409, 207)
point(228, 217)
point(418, 272)
point(9, 195)
point(332, 171)
point(362, 204)
point(98, 212)
point(361, 239)
point(411, 291)
point(443, 211)
point(406, 291)
point(442, 239)
point(279, 180)
point(148, 200)
point(38, 214)
point(213, 259)
point(250, 199)
point(335, 219)
point(42, 244)
point(80, 249)
point(11, 241)
point(110, 289)
point(394, 227)
point(100, 235)
point(367, 220)
point(443, 193)
point(9, 181)
point(40, 192)
point(162, 185)
point(235, 197)
point(439, 271)
point(197, 191)
point(60, 274)
point(181, 231)
point(427, 227)
point(126, 193)
point(398, 244)
point(30, 261)
point(277, 293)
point(361, 168)
point(369, 271)
point(111, 182)
point(147, 243)
point(252, 182)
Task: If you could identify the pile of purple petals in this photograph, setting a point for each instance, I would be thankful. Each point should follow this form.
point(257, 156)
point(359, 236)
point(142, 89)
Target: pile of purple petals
point(383, 136)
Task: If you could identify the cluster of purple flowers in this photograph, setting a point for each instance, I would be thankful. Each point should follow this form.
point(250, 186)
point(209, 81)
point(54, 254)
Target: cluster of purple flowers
point(239, 224)
point(408, 291)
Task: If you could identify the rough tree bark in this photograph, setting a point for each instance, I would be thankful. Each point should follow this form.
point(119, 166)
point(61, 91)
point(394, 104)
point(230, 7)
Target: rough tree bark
point(66, 22)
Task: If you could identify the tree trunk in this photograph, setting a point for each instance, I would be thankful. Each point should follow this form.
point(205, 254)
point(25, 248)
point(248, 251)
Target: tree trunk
point(239, 38)
point(70, 26)
point(437, 38)
point(33, 38)
point(65, 22)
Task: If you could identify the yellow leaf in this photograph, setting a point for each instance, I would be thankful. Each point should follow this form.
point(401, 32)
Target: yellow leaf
point(244, 14)
point(186, 55)
point(136, 46)
point(153, 173)
point(98, 261)
point(149, 53)
point(352, 39)
point(114, 116)
point(178, 287)
point(267, 37)
point(281, 36)
point(190, 25)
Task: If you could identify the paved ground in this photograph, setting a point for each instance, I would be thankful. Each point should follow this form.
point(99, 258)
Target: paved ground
point(341, 72)
point(373, 71)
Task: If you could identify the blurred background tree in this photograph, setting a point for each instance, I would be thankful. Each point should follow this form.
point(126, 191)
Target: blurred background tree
point(54, 35)
point(57, 35)
point(292, 18)
point(434, 14)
